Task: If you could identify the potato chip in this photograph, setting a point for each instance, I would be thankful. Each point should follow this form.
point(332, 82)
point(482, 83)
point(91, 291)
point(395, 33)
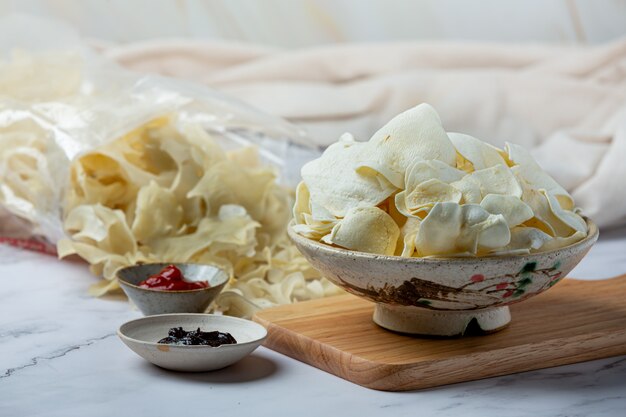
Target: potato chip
point(527, 169)
point(105, 227)
point(567, 217)
point(438, 232)
point(32, 173)
point(232, 230)
point(157, 213)
point(408, 234)
point(411, 136)
point(320, 214)
point(463, 164)
point(451, 228)
point(313, 228)
point(223, 183)
point(102, 237)
point(475, 151)
point(248, 156)
point(514, 210)
point(524, 240)
point(496, 180)
point(482, 231)
point(422, 171)
point(313, 231)
point(561, 242)
point(302, 203)
point(470, 190)
point(389, 206)
point(307, 224)
point(335, 185)
point(411, 202)
point(545, 219)
point(418, 187)
point(366, 229)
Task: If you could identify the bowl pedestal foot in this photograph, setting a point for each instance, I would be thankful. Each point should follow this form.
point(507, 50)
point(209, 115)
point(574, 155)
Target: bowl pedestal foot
point(417, 320)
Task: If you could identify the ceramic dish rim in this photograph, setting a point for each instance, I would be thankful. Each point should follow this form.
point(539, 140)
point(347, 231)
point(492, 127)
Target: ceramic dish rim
point(151, 290)
point(227, 346)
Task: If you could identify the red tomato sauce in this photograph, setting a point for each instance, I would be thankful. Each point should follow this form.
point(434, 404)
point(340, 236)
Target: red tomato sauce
point(171, 278)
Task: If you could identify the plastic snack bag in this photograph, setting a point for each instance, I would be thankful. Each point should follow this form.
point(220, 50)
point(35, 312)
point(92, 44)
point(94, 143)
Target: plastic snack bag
point(121, 168)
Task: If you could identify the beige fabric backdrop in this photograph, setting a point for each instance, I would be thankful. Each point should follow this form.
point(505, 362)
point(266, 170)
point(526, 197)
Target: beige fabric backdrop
point(568, 104)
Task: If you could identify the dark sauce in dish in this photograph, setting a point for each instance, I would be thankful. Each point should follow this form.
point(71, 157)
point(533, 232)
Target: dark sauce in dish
point(178, 336)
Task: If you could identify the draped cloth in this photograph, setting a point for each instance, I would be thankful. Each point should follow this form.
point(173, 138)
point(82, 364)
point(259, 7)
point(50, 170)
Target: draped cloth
point(565, 103)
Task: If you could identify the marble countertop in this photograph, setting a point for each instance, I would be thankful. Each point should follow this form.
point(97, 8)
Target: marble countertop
point(60, 356)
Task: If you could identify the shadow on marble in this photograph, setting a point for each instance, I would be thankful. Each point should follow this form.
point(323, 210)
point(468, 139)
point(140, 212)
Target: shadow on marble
point(249, 369)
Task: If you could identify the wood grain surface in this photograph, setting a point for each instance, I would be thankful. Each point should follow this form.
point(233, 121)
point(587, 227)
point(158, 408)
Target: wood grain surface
point(575, 321)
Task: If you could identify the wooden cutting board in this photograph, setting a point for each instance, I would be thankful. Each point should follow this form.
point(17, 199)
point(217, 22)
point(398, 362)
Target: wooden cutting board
point(575, 321)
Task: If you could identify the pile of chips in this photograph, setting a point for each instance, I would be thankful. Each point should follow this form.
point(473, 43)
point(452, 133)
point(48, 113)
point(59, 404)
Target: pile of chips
point(167, 192)
point(31, 164)
point(415, 190)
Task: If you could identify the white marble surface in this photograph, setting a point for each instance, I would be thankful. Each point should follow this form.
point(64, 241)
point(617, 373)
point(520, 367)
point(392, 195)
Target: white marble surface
point(59, 356)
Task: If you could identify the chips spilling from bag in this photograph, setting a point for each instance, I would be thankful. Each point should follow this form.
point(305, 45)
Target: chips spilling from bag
point(167, 192)
point(415, 190)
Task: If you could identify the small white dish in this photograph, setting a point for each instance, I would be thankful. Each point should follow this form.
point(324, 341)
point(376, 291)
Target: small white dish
point(141, 337)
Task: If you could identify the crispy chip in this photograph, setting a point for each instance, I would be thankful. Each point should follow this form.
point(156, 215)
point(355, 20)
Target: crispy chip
point(422, 171)
point(496, 180)
point(524, 240)
point(470, 190)
point(157, 213)
point(514, 210)
point(302, 203)
point(528, 170)
point(571, 219)
point(560, 242)
point(451, 228)
point(562, 224)
point(408, 234)
point(476, 152)
point(336, 186)
point(411, 136)
point(366, 229)
point(412, 202)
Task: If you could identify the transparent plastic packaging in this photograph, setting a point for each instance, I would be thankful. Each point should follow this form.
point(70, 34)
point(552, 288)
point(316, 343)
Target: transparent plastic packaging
point(121, 168)
point(58, 100)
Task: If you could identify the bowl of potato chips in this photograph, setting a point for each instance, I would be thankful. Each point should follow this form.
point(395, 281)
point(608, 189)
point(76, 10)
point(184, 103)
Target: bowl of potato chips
point(440, 229)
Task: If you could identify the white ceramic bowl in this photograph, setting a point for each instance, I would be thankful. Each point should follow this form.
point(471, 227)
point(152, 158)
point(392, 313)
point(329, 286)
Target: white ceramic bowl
point(141, 337)
point(443, 296)
point(151, 301)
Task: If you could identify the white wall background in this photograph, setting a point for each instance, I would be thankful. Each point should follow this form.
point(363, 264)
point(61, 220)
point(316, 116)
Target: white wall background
point(296, 23)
